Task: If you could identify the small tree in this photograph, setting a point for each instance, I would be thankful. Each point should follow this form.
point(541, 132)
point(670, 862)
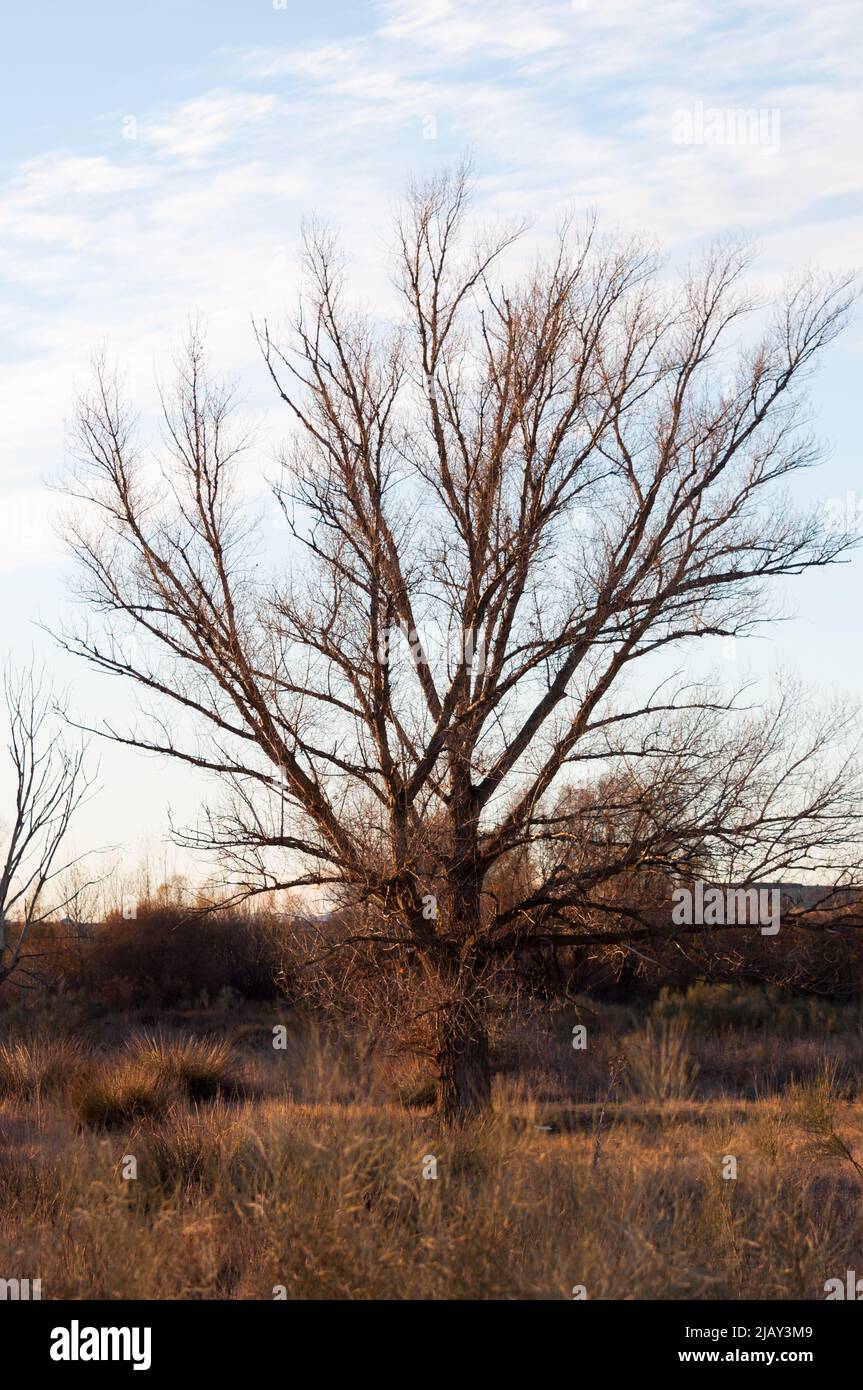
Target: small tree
point(509, 502)
point(49, 784)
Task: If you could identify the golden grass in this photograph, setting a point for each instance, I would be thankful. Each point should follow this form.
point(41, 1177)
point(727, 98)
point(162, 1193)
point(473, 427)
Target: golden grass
point(39, 1067)
point(307, 1172)
point(331, 1202)
point(202, 1068)
point(119, 1095)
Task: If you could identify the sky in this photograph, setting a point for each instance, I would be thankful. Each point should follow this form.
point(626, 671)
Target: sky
point(157, 160)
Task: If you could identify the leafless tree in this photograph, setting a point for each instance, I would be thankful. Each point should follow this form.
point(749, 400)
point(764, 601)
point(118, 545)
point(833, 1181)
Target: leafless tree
point(49, 784)
point(502, 511)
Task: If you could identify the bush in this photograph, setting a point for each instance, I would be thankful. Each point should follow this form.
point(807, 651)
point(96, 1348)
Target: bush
point(201, 1068)
point(122, 1095)
point(31, 1070)
point(658, 1063)
point(198, 1152)
point(170, 955)
point(740, 1008)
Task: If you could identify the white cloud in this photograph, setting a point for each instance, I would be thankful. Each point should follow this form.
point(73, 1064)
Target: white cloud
point(199, 128)
point(28, 536)
point(561, 103)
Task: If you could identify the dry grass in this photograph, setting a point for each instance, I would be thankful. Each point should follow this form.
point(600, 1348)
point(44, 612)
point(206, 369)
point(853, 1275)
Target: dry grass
point(202, 1068)
point(659, 1067)
point(121, 1094)
point(332, 1202)
point(40, 1067)
point(259, 1171)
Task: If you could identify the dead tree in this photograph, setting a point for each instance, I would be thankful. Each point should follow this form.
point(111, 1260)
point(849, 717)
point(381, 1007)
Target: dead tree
point(501, 509)
point(49, 784)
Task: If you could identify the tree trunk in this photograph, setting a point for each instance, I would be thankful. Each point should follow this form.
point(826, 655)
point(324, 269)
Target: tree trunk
point(464, 1078)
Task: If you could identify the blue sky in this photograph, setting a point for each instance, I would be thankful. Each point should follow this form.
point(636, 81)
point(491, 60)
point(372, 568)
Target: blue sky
point(156, 160)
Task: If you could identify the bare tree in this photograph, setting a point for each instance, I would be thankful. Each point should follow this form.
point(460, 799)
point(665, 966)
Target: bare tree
point(49, 784)
point(501, 509)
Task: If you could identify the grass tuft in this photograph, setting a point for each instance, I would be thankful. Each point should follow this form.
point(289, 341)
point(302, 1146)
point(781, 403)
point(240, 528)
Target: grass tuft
point(203, 1069)
point(30, 1070)
point(120, 1095)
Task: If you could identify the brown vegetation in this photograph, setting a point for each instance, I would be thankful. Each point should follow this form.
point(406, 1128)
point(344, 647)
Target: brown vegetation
point(302, 1170)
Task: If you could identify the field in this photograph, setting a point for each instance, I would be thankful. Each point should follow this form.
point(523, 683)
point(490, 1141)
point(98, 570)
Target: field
point(182, 1155)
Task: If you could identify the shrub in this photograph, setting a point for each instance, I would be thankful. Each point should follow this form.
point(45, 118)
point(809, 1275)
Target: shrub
point(198, 1152)
point(121, 1095)
point(170, 955)
point(709, 1008)
point(658, 1063)
point(29, 1070)
point(419, 1094)
point(202, 1068)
